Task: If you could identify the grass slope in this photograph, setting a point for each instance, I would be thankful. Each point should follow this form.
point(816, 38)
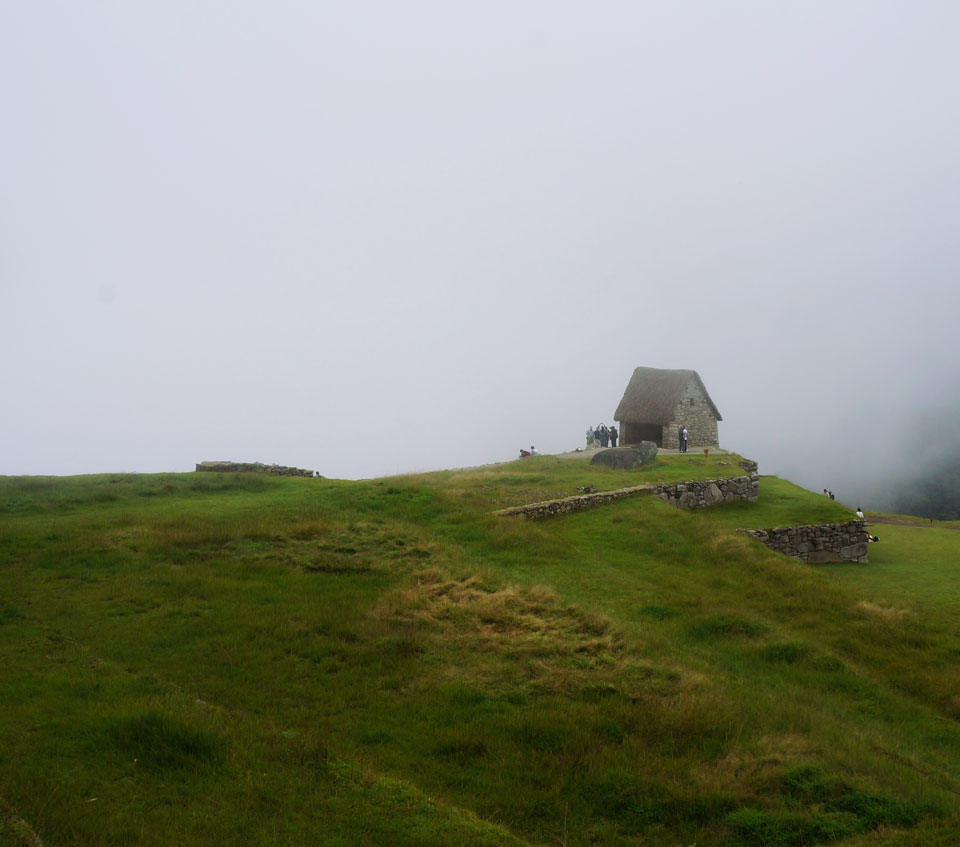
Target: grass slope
point(239, 659)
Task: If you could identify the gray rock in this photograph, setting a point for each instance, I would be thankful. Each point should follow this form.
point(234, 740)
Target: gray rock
point(625, 458)
point(854, 551)
point(712, 494)
point(823, 557)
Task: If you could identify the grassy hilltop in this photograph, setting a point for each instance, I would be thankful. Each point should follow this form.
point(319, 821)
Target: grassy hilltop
point(242, 659)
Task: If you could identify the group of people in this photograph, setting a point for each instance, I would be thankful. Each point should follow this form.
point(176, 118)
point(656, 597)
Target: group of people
point(531, 452)
point(828, 494)
point(860, 515)
point(602, 436)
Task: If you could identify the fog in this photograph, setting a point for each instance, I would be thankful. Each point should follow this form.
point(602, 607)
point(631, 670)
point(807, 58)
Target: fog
point(375, 238)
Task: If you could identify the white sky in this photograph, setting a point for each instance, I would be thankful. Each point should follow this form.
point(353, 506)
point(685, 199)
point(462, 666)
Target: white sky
point(368, 238)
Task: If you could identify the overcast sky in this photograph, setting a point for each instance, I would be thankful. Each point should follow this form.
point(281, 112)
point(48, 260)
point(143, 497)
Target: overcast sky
point(368, 238)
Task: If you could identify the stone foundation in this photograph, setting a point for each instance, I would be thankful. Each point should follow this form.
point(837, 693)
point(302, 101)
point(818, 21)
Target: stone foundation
point(817, 543)
point(252, 467)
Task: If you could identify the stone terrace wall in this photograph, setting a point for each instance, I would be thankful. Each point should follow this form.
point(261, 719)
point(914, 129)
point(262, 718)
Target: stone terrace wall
point(252, 467)
point(830, 542)
point(546, 508)
point(684, 495)
point(709, 492)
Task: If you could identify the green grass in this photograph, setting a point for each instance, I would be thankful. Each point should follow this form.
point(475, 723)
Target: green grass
point(238, 659)
point(782, 504)
point(550, 477)
point(911, 566)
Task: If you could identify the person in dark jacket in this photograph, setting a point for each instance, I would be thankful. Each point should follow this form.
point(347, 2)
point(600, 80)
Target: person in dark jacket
point(612, 432)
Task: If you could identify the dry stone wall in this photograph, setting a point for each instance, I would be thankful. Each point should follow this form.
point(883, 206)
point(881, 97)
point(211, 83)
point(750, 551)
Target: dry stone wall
point(817, 543)
point(684, 495)
point(252, 467)
point(709, 492)
point(547, 508)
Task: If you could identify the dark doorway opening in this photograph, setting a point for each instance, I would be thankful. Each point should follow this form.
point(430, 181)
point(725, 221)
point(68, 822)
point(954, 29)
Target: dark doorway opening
point(634, 433)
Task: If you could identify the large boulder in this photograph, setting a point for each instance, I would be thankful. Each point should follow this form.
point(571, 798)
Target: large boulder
point(625, 458)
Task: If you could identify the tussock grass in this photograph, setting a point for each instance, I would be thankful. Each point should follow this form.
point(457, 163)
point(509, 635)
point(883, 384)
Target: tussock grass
point(824, 810)
point(887, 614)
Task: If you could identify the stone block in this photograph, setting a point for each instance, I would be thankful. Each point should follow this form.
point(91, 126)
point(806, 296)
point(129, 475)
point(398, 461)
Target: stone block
point(626, 458)
point(853, 552)
point(820, 557)
point(712, 494)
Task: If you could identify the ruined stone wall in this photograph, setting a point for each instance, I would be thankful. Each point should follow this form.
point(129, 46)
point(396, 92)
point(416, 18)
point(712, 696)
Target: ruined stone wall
point(252, 467)
point(546, 508)
point(697, 417)
point(817, 543)
point(708, 492)
point(683, 495)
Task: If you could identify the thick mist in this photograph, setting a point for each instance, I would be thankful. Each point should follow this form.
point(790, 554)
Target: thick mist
point(368, 239)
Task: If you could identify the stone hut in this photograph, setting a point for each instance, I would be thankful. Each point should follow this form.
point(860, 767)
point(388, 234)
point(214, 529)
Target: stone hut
point(657, 402)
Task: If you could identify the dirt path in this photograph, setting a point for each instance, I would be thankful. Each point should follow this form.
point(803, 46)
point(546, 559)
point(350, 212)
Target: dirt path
point(898, 522)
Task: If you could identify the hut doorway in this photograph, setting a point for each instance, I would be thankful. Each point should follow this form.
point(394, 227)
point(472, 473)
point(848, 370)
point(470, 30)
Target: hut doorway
point(634, 433)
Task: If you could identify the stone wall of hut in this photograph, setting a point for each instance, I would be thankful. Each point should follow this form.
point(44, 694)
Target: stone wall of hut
point(694, 412)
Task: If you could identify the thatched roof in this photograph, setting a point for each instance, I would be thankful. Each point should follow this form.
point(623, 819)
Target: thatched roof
point(653, 393)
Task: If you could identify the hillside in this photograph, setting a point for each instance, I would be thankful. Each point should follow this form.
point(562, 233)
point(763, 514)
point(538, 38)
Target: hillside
point(240, 659)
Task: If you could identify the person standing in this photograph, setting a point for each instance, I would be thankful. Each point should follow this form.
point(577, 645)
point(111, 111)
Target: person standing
point(602, 429)
point(590, 439)
point(613, 436)
point(683, 439)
